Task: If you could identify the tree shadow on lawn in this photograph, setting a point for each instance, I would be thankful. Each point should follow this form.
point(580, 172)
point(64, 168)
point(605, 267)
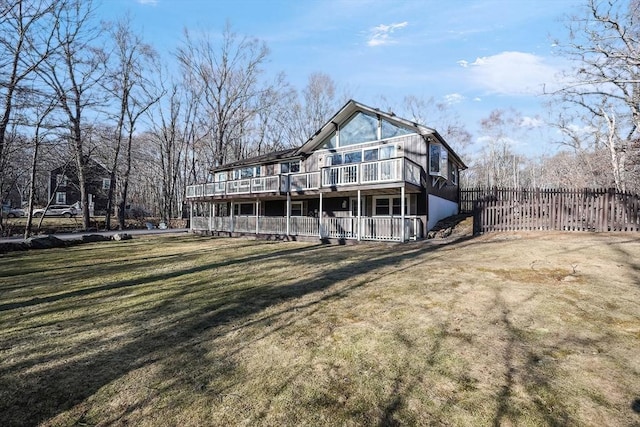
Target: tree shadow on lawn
point(157, 263)
point(35, 394)
point(38, 391)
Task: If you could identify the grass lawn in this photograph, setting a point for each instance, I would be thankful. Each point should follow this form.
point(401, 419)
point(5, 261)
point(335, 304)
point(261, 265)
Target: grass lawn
point(504, 329)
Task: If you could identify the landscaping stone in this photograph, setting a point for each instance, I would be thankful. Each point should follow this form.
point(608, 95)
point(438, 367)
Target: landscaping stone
point(121, 236)
point(45, 242)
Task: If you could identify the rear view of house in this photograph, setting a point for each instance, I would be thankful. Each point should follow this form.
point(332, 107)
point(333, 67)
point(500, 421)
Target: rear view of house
point(365, 175)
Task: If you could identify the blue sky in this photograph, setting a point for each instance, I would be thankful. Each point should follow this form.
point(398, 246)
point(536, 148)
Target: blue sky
point(477, 55)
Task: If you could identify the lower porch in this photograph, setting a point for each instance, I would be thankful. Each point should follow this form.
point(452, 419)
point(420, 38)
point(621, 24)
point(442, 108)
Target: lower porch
point(393, 229)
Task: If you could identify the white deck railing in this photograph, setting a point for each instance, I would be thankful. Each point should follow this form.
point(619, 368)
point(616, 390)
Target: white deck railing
point(304, 181)
point(368, 228)
point(381, 171)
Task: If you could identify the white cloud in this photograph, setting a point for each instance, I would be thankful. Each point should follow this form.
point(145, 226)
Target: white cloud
point(453, 98)
point(512, 73)
point(148, 2)
point(381, 35)
point(531, 122)
point(463, 63)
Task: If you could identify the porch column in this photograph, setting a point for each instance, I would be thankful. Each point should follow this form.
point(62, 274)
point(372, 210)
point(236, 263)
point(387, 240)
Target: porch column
point(359, 215)
point(257, 215)
point(402, 207)
point(213, 214)
point(288, 213)
point(210, 216)
point(191, 214)
point(231, 226)
point(320, 218)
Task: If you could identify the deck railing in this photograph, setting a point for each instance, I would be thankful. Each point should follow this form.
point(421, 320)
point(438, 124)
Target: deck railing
point(368, 228)
point(380, 171)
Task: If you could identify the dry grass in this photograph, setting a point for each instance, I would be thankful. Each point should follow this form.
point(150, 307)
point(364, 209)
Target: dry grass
point(510, 329)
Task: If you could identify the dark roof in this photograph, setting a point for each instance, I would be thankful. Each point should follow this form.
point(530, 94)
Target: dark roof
point(289, 153)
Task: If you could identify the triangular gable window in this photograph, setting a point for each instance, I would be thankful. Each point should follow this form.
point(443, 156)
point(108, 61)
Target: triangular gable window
point(390, 130)
point(360, 128)
point(329, 142)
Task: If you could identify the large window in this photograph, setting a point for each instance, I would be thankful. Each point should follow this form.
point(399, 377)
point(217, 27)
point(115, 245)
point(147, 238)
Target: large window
point(248, 172)
point(106, 183)
point(61, 198)
point(438, 160)
point(390, 130)
point(360, 128)
point(389, 206)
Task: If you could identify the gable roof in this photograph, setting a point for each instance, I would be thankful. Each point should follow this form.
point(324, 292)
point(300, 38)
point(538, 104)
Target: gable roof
point(350, 108)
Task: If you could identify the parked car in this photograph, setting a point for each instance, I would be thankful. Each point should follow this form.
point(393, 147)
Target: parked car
point(13, 212)
point(57, 210)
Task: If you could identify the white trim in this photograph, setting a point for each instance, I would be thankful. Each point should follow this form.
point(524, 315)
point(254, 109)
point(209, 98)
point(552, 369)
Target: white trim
point(390, 197)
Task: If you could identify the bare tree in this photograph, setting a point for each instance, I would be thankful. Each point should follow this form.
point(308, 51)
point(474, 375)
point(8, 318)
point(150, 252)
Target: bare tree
point(227, 76)
point(440, 116)
point(130, 86)
point(73, 73)
point(26, 28)
point(604, 84)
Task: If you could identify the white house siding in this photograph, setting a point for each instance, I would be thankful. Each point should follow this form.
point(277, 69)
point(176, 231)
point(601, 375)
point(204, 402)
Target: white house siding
point(440, 208)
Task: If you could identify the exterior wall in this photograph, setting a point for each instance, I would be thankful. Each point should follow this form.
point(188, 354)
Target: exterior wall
point(440, 208)
point(94, 175)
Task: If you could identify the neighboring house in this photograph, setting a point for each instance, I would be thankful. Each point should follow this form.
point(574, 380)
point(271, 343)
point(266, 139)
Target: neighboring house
point(365, 175)
point(64, 186)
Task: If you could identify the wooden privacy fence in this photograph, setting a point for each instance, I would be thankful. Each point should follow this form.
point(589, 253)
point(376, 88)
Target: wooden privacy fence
point(505, 209)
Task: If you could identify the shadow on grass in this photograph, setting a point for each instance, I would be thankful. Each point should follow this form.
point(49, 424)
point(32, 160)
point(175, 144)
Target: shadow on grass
point(31, 397)
point(35, 394)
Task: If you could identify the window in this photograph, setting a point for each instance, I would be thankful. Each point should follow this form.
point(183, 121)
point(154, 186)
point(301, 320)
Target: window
point(290, 167)
point(297, 208)
point(438, 160)
point(330, 141)
point(371, 155)
point(360, 128)
point(61, 180)
point(353, 157)
point(381, 206)
point(353, 202)
point(390, 130)
point(244, 209)
point(247, 172)
point(389, 206)
point(106, 183)
point(453, 173)
point(61, 198)
point(334, 159)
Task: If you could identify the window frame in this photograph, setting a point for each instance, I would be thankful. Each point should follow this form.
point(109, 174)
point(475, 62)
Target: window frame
point(390, 211)
point(61, 197)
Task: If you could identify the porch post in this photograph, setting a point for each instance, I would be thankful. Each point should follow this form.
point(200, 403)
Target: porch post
point(402, 207)
point(320, 218)
point(213, 214)
point(257, 215)
point(359, 215)
point(191, 214)
point(231, 226)
point(288, 213)
point(210, 216)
